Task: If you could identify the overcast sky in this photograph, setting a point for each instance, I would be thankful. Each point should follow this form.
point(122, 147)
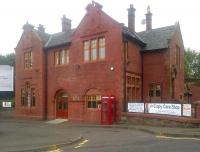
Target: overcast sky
point(15, 13)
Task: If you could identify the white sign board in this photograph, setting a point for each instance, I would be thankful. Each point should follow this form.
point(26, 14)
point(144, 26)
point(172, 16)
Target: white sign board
point(135, 107)
point(187, 110)
point(6, 78)
point(6, 104)
point(164, 108)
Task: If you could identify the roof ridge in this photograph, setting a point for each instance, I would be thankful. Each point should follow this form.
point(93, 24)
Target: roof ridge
point(158, 28)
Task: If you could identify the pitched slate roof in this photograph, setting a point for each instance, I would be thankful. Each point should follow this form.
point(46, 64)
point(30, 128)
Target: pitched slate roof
point(157, 39)
point(54, 40)
point(59, 39)
point(132, 35)
point(43, 36)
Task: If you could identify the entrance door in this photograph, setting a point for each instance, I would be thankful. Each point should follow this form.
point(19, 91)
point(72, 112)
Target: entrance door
point(62, 106)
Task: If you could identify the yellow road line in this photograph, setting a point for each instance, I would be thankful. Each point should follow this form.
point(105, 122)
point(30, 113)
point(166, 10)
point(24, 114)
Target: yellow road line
point(178, 138)
point(77, 146)
point(56, 150)
point(81, 144)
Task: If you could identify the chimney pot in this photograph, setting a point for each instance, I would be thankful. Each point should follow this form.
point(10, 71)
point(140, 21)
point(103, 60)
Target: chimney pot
point(148, 19)
point(131, 18)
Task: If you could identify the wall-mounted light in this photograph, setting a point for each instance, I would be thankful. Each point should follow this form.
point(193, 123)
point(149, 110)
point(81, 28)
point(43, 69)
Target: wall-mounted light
point(112, 68)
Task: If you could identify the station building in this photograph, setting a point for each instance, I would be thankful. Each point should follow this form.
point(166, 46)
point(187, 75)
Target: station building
point(64, 75)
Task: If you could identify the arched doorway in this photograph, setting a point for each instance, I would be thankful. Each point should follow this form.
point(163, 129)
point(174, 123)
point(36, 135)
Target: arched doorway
point(62, 105)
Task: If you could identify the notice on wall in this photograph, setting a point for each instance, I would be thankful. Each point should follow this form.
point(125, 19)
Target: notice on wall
point(6, 104)
point(6, 78)
point(164, 108)
point(187, 110)
point(136, 107)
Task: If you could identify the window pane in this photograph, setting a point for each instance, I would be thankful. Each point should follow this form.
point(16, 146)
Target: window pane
point(33, 97)
point(56, 58)
point(26, 60)
point(67, 57)
point(86, 50)
point(62, 57)
point(102, 48)
point(94, 49)
point(89, 104)
point(157, 90)
point(151, 90)
point(102, 53)
point(30, 59)
point(86, 55)
point(94, 104)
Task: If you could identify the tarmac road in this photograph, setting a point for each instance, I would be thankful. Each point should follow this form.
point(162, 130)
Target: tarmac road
point(120, 140)
point(19, 135)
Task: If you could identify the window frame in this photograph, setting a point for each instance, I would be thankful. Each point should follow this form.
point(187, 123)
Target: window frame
point(28, 60)
point(153, 92)
point(28, 96)
point(61, 57)
point(94, 101)
point(133, 87)
point(94, 49)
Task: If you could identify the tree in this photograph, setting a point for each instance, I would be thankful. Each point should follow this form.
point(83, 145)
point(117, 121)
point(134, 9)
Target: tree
point(192, 64)
point(8, 59)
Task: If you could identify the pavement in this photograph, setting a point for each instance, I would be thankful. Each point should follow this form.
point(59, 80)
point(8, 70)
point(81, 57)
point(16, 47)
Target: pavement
point(154, 130)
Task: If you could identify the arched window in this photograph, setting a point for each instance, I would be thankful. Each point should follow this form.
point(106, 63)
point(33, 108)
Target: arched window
point(93, 99)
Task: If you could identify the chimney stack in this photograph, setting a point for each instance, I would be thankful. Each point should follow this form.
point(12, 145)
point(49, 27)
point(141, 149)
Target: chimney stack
point(66, 24)
point(41, 28)
point(131, 18)
point(148, 19)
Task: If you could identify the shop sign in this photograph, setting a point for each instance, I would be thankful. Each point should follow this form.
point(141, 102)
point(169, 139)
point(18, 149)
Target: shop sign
point(187, 110)
point(136, 107)
point(164, 108)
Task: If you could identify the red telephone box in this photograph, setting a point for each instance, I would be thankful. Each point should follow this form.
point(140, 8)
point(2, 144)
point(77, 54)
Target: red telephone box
point(108, 108)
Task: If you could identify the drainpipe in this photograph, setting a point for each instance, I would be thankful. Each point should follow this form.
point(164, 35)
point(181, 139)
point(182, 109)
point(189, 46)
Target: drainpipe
point(124, 74)
point(142, 77)
point(45, 85)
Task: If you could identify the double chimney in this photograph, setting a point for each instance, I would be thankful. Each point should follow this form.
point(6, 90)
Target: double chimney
point(131, 19)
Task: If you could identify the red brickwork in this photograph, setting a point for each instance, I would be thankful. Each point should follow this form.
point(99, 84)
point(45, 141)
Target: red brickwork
point(107, 76)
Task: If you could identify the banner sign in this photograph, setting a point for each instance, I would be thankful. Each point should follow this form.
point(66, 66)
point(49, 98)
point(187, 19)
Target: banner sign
point(164, 108)
point(6, 104)
point(136, 107)
point(6, 78)
point(187, 110)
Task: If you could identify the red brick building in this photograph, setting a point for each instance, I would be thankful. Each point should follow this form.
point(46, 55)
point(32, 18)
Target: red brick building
point(65, 74)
